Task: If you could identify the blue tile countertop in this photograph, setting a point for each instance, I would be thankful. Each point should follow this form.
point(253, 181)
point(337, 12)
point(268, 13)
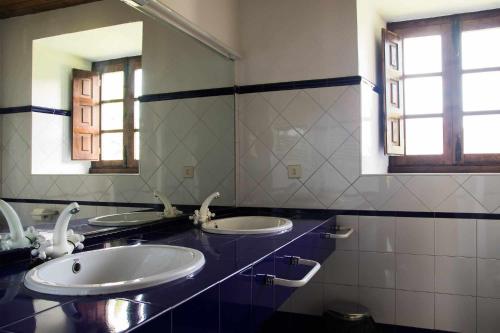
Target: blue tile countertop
point(22, 310)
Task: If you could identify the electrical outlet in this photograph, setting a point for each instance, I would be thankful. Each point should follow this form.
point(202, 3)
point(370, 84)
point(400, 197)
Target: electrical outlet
point(294, 171)
point(188, 172)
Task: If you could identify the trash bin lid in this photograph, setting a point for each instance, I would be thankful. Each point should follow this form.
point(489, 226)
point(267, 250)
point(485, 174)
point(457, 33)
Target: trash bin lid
point(348, 311)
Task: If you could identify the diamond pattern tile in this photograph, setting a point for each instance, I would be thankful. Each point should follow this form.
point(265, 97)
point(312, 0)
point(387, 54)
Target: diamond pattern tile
point(346, 110)
point(280, 99)
point(277, 184)
point(280, 137)
point(326, 97)
point(174, 134)
point(432, 190)
point(316, 128)
point(257, 115)
point(306, 156)
point(302, 112)
point(327, 184)
point(326, 135)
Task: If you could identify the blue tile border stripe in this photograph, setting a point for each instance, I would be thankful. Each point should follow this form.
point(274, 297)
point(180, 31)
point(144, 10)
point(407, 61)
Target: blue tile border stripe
point(464, 215)
point(15, 109)
point(32, 108)
point(187, 94)
point(57, 112)
point(83, 202)
point(248, 89)
point(303, 84)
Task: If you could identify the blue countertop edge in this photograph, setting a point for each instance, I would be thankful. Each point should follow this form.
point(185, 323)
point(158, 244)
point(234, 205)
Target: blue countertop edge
point(226, 256)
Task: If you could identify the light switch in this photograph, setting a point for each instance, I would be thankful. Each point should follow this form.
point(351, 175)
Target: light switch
point(188, 171)
point(294, 171)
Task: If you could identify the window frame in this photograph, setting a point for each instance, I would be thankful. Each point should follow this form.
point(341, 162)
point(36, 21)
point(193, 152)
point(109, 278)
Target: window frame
point(128, 165)
point(453, 160)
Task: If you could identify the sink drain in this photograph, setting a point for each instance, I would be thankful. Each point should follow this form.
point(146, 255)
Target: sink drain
point(76, 267)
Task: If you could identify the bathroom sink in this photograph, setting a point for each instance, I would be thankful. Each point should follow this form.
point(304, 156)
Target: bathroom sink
point(126, 219)
point(247, 225)
point(113, 270)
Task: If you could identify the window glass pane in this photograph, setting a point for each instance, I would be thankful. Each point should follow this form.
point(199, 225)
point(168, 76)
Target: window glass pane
point(112, 86)
point(111, 146)
point(138, 83)
point(422, 55)
point(481, 91)
point(424, 136)
point(424, 95)
point(111, 116)
point(480, 48)
point(136, 146)
point(482, 134)
point(137, 114)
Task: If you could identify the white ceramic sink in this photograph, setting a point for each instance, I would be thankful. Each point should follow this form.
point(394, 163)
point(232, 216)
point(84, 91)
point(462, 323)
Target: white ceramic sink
point(126, 219)
point(247, 225)
point(113, 270)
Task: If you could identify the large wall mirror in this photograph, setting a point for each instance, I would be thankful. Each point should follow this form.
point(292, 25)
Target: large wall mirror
point(105, 104)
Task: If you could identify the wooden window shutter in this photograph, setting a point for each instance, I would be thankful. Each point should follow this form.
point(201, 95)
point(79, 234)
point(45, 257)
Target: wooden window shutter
point(393, 103)
point(86, 116)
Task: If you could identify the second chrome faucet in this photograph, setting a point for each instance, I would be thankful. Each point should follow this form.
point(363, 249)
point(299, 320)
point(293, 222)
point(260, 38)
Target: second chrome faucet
point(204, 215)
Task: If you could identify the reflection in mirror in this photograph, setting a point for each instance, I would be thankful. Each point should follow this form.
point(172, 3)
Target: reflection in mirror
point(121, 105)
point(99, 84)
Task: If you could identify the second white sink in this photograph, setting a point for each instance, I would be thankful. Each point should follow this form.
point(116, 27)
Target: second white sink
point(113, 270)
point(247, 225)
point(126, 219)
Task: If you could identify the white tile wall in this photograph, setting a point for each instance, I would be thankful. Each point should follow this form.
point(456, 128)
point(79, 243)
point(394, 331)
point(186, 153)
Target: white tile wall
point(456, 237)
point(377, 233)
point(431, 279)
point(488, 234)
point(381, 302)
point(197, 132)
point(415, 309)
point(488, 320)
point(415, 235)
point(377, 270)
point(319, 129)
point(456, 275)
point(415, 272)
point(455, 313)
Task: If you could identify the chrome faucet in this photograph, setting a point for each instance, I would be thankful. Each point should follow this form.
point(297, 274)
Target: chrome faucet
point(64, 240)
point(169, 210)
point(17, 237)
point(204, 215)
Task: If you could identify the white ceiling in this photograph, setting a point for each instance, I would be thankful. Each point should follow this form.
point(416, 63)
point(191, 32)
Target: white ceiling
point(400, 10)
point(118, 41)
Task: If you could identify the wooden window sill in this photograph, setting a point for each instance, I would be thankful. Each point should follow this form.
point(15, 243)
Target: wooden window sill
point(444, 168)
point(102, 170)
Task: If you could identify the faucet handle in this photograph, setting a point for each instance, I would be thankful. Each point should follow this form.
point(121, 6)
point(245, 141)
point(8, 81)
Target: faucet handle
point(195, 217)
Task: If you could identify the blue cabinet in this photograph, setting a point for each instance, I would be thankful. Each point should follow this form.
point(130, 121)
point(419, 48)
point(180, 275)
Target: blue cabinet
point(263, 305)
point(244, 302)
point(199, 314)
point(236, 303)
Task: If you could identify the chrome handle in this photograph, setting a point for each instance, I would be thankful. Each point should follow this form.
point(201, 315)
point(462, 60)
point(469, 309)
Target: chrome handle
point(273, 280)
point(340, 233)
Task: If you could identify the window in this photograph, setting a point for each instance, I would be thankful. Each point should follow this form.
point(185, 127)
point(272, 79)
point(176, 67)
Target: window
point(118, 110)
point(442, 97)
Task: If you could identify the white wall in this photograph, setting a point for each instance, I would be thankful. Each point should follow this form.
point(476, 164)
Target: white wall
point(51, 134)
point(370, 25)
point(52, 75)
point(423, 272)
point(51, 146)
point(217, 17)
point(161, 59)
point(286, 40)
